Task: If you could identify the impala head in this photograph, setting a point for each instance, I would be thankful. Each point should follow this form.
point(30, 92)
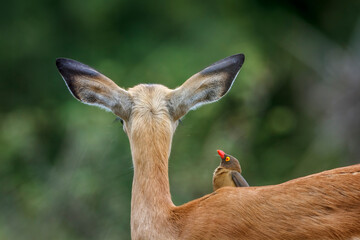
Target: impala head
point(149, 105)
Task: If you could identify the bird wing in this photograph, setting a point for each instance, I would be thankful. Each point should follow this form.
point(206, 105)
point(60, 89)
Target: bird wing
point(238, 179)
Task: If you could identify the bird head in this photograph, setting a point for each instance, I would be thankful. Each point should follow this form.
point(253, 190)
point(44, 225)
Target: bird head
point(229, 162)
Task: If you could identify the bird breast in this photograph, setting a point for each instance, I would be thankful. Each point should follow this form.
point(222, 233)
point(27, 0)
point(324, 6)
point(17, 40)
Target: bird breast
point(222, 178)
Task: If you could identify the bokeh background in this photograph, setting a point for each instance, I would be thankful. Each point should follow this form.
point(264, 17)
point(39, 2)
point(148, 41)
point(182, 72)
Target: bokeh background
point(65, 167)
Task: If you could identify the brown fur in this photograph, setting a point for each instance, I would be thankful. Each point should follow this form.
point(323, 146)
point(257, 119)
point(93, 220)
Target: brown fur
point(320, 206)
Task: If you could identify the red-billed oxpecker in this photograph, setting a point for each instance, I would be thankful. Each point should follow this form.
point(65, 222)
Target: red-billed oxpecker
point(228, 174)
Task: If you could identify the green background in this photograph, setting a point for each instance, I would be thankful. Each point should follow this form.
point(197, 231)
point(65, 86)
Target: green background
point(65, 167)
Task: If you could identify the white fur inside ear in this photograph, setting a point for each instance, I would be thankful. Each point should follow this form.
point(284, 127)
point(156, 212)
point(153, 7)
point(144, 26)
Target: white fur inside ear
point(196, 106)
point(98, 105)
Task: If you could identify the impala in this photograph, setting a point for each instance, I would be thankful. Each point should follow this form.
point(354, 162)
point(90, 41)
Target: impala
point(320, 206)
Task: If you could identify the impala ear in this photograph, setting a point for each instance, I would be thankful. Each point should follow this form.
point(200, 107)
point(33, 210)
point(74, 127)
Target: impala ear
point(93, 88)
point(207, 86)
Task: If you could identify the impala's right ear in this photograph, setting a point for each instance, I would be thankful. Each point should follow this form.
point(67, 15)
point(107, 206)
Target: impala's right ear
point(91, 87)
point(207, 86)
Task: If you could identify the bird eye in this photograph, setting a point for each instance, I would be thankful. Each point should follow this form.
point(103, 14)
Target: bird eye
point(227, 159)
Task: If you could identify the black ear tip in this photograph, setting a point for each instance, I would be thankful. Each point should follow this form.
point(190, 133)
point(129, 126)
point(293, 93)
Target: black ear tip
point(59, 61)
point(230, 64)
point(63, 62)
point(240, 58)
point(70, 66)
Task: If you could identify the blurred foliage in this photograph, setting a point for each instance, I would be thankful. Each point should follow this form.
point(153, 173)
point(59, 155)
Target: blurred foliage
point(66, 168)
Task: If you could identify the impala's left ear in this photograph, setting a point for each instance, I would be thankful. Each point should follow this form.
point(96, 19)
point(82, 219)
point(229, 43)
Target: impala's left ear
point(207, 86)
point(93, 88)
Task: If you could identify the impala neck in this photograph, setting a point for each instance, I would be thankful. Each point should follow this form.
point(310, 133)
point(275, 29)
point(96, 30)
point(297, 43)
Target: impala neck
point(151, 199)
point(151, 181)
